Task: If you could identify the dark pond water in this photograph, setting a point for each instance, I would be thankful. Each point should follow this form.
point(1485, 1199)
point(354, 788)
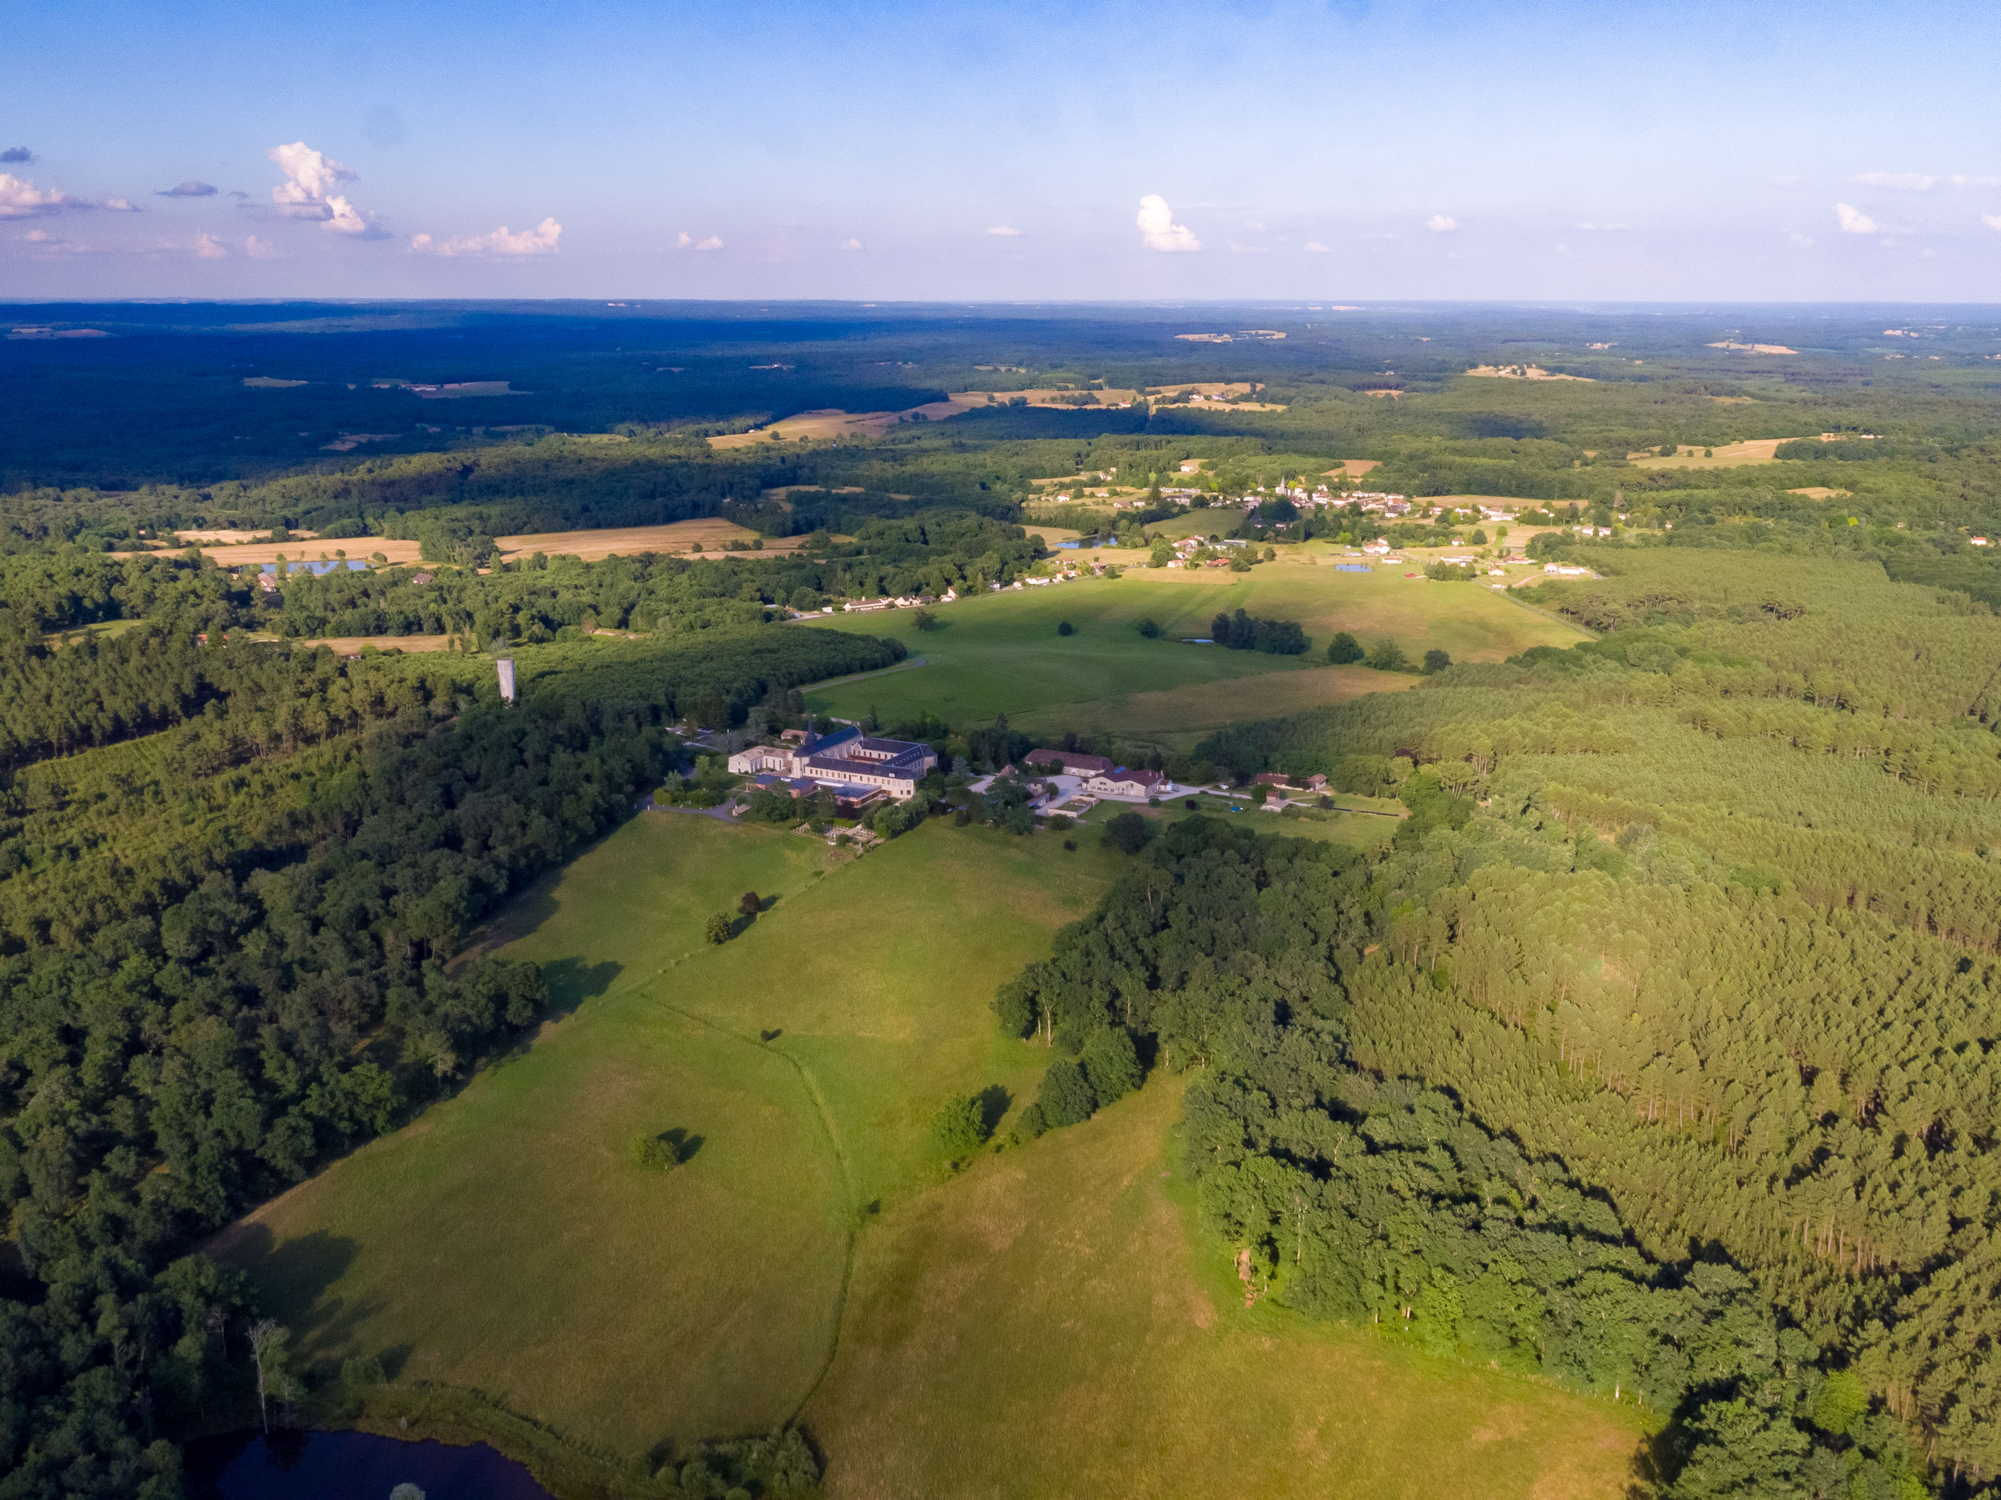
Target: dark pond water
point(349, 1466)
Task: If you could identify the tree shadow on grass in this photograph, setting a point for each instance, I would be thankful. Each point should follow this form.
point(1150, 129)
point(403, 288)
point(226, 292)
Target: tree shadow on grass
point(293, 1277)
point(994, 1102)
point(572, 981)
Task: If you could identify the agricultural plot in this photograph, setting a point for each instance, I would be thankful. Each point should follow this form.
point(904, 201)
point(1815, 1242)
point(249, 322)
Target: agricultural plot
point(507, 1241)
point(709, 534)
point(1002, 653)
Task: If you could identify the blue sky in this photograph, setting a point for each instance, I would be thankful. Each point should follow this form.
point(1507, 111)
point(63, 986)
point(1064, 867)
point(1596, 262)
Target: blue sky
point(1020, 151)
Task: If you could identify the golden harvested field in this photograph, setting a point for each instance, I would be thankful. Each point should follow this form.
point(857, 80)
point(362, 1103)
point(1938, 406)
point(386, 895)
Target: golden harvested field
point(1750, 451)
point(830, 423)
point(591, 545)
point(1821, 492)
point(354, 645)
point(1386, 392)
point(674, 536)
point(1752, 348)
point(238, 554)
point(1353, 468)
point(1520, 372)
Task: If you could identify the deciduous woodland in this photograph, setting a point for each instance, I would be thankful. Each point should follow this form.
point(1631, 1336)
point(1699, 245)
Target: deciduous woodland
point(1608, 1013)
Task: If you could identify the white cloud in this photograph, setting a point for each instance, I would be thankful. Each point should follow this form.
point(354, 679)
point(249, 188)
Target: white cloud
point(541, 240)
point(258, 249)
point(851, 243)
point(208, 247)
point(686, 241)
point(1314, 247)
point(1442, 224)
point(21, 199)
point(1158, 231)
point(309, 178)
point(1005, 232)
point(1853, 221)
point(307, 192)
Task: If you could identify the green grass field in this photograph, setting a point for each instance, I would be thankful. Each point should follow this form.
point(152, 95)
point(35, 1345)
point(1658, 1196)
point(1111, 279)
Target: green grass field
point(505, 1241)
point(1049, 1324)
point(1001, 653)
point(1359, 822)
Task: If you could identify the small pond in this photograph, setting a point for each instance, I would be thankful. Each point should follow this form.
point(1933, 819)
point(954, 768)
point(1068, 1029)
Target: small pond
point(349, 1466)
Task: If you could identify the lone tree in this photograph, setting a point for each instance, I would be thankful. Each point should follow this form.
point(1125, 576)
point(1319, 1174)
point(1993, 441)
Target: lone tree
point(1388, 657)
point(720, 929)
point(926, 619)
point(1344, 648)
point(1148, 627)
point(1064, 627)
point(270, 1352)
point(1436, 660)
point(750, 903)
point(960, 1127)
point(1128, 832)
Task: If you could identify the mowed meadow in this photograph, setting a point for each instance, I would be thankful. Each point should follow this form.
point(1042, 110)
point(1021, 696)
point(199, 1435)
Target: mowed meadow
point(506, 1241)
point(1046, 1322)
point(1002, 653)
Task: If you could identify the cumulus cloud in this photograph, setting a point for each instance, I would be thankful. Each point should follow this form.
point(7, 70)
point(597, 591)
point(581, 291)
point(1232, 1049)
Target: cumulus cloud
point(1853, 221)
point(21, 199)
point(541, 240)
point(686, 241)
point(342, 217)
point(1314, 247)
point(851, 243)
point(16, 156)
point(1992, 221)
point(1442, 224)
point(1004, 232)
point(309, 177)
point(188, 189)
point(1158, 231)
point(308, 192)
point(258, 249)
point(208, 247)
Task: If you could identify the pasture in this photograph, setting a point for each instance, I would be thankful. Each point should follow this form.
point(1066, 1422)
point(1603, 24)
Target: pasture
point(808, 1055)
point(1051, 1324)
point(1001, 653)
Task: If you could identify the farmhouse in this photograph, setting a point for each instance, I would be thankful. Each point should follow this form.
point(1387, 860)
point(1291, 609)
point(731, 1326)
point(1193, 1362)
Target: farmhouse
point(1120, 782)
point(845, 760)
point(1068, 762)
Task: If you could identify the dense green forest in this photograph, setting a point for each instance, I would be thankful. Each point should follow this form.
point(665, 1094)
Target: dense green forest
point(1652, 1056)
point(222, 960)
